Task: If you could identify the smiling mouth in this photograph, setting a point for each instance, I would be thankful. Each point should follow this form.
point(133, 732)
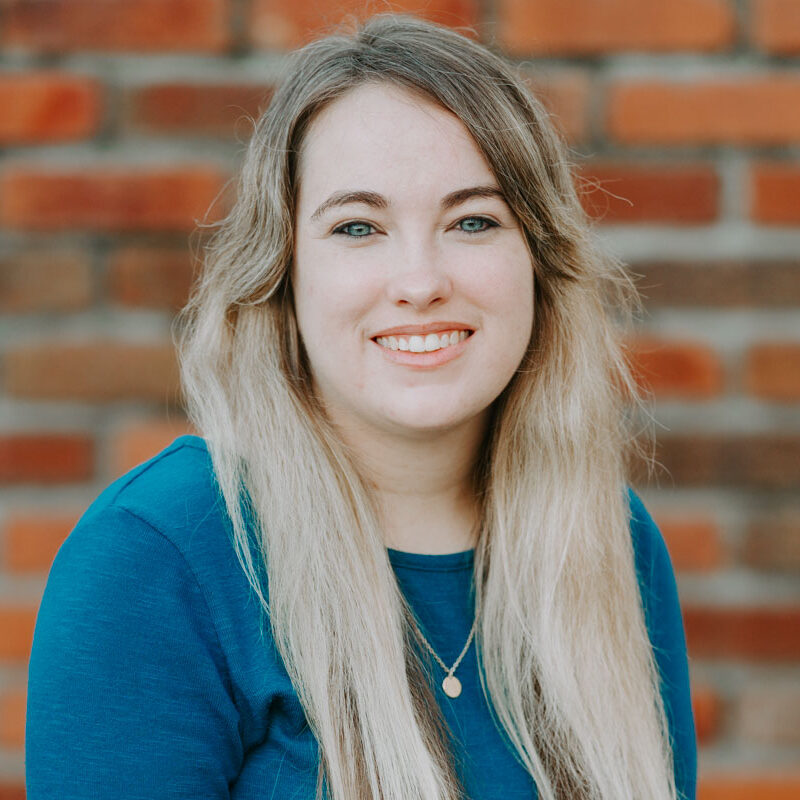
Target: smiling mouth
point(423, 344)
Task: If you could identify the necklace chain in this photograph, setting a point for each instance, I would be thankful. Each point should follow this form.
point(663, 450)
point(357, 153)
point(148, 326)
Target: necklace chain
point(450, 684)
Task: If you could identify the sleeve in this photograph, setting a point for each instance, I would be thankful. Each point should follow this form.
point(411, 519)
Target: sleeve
point(665, 628)
point(128, 693)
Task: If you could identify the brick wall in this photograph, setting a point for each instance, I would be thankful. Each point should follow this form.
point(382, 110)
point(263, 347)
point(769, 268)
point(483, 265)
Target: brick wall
point(121, 122)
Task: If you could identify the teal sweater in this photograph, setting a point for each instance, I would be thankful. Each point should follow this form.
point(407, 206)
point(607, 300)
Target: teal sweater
point(149, 677)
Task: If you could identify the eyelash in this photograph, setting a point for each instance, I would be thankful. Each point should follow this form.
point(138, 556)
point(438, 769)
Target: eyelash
point(488, 224)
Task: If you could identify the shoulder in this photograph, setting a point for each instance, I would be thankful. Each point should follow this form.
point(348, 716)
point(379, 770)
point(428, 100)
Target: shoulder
point(657, 585)
point(169, 492)
point(662, 614)
point(651, 556)
point(173, 495)
point(164, 520)
point(654, 572)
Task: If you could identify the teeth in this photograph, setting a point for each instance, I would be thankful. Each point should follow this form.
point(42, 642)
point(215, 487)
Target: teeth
point(422, 344)
point(432, 343)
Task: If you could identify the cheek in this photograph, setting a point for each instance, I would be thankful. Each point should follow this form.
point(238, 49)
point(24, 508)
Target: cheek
point(504, 287)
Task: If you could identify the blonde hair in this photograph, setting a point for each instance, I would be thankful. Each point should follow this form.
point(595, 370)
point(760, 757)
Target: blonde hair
point(565, 655)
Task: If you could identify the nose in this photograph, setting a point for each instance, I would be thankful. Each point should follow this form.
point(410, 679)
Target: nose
point(419, 278)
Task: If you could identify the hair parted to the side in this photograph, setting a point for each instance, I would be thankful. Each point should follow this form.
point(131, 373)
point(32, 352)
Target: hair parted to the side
point(562, 641)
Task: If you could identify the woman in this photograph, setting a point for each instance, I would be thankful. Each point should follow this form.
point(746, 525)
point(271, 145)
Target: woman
point(413, 404)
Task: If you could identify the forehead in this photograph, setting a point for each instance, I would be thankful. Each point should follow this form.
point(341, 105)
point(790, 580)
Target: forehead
point(378, 136)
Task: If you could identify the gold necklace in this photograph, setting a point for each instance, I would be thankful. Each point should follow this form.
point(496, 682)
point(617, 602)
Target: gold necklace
point(451, 685)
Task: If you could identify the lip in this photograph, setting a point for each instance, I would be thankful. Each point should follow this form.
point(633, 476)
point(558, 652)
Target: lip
point(421, 330)
point(424, 361)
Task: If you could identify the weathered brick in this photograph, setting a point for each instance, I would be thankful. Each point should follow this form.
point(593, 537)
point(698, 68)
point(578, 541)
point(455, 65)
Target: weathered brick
point(150, 277)
point(769, 714)
point(676, 368)
point(212, 109)
point(97, 371)
point(744, 111)
point(566, 97)
point(693, 542)
point(579, 27)
point(767, 461)
point(776, 25)
point(749, 785)
point(17, 623)
point(31, 540)
point(45, 280)
point(628, 193)
point(706, 708)
point(12, 718)
point(772, 371)
point(107, 200)
point(140, 441)
point(759, 634)
point(48, 107)
point(45, 457)
point(12, 791)
point(136, 25)
point(277, 24)
point(769, 284)
point(773, 542)
point(776, 193)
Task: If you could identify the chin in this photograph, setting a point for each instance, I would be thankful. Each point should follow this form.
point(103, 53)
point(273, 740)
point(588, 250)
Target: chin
point(431, 418)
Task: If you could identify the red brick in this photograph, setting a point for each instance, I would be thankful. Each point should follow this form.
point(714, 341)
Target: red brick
point(675, 194)
point(566, 97)
point(17, 624)
point(772, 371)
point(218, 110)
point(45, 280)
point(142, 440)
point(277, 24)
point(580, 27)
point(31, 540)
point(776, 193)
point(723, 284)
point(773, 542)
point(764, 461)
point(769, 714)
point(761, 634)
point(744, 111)
point(676, 369)
point(693, 542)
point(752, 785)
point(706, 710)
point(136, 25)
point(47, 107)
point(107, 200)
point(12, 718)
point(96, 371)
point(45, 457)
point(776, 25)
point(12, 791)
point(150, 277)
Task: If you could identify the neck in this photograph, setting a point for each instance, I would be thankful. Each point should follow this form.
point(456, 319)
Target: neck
point(423, 485)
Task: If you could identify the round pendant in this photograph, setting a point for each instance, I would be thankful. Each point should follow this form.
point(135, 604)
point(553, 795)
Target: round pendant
point(451, 686)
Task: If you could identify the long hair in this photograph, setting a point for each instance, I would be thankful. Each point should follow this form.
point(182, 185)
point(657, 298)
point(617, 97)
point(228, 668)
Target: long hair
point(564, 652)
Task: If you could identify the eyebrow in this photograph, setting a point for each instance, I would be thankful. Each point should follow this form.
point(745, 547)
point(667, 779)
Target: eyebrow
point(376, 200)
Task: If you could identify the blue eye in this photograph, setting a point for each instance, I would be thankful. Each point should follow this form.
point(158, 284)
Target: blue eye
point(475, 224)
point(356, 230)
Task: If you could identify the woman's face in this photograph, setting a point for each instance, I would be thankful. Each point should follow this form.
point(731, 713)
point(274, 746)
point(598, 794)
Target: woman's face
point(413, 286)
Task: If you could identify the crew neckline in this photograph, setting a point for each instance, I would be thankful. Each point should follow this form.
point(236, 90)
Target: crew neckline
point(444, 562)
